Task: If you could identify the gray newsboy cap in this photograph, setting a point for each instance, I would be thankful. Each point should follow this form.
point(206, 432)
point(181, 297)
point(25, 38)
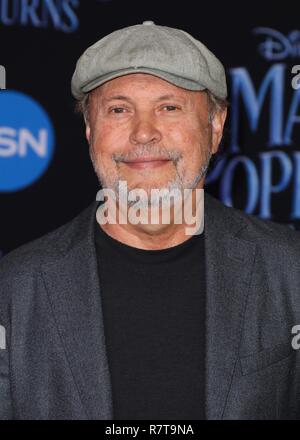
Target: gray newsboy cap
point(168, 53)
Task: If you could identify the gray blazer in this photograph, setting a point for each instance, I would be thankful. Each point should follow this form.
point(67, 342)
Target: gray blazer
point(54, 364)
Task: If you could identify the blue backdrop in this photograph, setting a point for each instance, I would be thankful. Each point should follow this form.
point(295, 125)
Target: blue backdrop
point(46, 177)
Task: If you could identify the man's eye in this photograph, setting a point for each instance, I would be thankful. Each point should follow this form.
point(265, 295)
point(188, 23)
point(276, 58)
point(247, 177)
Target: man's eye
point(117, 110)
point(170, 107)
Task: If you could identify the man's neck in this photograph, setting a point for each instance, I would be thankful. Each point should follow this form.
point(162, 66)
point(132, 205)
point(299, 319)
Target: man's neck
point(160, 236)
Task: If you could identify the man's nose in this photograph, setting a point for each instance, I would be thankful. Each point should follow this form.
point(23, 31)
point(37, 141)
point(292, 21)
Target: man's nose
point(145, 130)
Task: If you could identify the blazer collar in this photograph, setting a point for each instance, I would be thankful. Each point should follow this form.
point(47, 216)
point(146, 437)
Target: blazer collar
point(229, 265)
point(71, 278)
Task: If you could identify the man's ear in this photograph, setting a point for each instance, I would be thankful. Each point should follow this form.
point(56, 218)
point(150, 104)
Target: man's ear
point(88, 132)
point(218, 122)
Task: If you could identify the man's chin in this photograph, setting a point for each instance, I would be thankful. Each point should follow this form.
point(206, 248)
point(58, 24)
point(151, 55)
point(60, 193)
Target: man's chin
point(149, 186)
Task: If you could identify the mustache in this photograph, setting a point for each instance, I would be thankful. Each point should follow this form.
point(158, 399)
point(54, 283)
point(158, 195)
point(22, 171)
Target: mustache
point(148, 151)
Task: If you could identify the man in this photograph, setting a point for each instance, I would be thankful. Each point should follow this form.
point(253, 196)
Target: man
point(110, 319)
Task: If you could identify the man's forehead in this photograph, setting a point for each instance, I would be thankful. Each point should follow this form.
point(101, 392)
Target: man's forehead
point(142, 84)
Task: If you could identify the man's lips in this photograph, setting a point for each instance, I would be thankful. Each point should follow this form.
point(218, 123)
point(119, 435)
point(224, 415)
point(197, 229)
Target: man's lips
point(146, 162)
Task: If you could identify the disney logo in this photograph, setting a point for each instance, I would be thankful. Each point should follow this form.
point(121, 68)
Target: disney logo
point(277, 46)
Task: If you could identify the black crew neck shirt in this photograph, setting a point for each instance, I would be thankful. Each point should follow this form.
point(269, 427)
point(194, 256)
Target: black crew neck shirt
point(154, 314)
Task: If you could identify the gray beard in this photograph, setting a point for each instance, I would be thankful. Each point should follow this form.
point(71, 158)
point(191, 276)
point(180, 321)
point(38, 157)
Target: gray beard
point(175, 184)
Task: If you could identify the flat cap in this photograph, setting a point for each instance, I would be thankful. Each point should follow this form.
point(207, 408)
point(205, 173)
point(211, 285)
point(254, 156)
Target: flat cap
point(165, 52)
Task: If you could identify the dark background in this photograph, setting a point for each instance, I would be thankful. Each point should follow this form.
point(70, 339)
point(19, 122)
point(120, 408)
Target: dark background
point(40, 61)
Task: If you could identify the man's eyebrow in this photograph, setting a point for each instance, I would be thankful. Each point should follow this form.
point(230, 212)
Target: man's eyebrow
point(169, 96)
point(127, 98)
point(117, 97)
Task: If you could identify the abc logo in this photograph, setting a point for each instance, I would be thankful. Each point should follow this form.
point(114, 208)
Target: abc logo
point(26, 141)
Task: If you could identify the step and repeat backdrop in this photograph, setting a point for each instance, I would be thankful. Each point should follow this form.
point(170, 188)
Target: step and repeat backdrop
point(46, 177)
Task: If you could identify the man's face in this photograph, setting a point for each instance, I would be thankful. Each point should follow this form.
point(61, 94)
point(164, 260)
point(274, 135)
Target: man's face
point(151, 134)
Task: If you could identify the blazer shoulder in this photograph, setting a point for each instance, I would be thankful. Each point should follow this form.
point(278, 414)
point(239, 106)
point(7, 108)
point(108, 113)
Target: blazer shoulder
point(29, 256)
point(250, 227)
point(266, 232)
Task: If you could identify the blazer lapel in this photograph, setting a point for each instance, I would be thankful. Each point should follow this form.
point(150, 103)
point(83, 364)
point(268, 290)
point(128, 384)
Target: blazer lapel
point(72, 283)
point(229, 263)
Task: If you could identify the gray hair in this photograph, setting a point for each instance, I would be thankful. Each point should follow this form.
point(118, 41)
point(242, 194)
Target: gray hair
point(82, 106)
point(215, 104)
